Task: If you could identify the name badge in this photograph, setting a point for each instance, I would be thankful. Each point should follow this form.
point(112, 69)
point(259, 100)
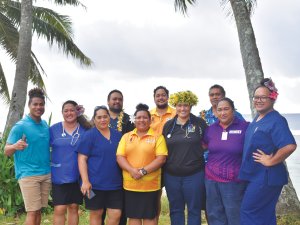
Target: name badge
point(235, 132)
point(224, 135)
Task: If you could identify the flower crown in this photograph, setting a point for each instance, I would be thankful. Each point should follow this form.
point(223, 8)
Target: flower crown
point(183, 97)
point(268, 83)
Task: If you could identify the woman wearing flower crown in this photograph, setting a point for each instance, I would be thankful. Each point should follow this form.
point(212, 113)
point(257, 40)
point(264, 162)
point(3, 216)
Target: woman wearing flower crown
point(184, 169)
point(64, 137)
point(268, 142)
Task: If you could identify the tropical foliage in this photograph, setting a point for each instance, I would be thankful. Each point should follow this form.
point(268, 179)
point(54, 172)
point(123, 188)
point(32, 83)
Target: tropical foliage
point(47, 24)
point(10, 196)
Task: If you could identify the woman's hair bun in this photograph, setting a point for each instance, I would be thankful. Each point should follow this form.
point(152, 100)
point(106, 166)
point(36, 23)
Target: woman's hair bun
point(142, 106)
point(263, 81)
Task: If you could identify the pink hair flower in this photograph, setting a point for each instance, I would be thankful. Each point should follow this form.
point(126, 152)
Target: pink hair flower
point(79, 110)
point(273, 95)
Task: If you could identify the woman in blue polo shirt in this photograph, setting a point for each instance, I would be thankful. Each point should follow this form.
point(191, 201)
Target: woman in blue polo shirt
point(225, 141)
point(268, 142)
point(100, 174)
point(64, 137)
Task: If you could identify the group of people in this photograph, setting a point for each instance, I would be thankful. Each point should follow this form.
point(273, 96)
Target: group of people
point(217, 162)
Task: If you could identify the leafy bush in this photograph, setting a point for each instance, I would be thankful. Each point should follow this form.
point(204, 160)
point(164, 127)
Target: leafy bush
point(10, 195)
point(288, 220)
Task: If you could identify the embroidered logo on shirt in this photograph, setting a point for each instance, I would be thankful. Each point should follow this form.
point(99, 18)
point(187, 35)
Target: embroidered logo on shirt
point(191, 128)
point(235, 131)
point(150, 140)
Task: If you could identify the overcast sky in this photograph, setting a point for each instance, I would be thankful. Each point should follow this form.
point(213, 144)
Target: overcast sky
point(137, 45)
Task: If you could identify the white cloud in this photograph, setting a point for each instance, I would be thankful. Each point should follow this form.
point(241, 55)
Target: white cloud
point(138, 45)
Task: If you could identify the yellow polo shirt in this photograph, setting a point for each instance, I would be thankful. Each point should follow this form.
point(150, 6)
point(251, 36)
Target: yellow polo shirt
point(139, 152)
point(158, 122)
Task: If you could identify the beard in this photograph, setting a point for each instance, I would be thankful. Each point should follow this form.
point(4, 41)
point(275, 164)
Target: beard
point(115, 110)
point(162, 106)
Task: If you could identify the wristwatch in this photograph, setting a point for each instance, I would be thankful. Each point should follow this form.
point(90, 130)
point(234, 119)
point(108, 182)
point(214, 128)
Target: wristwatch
point(143, 171)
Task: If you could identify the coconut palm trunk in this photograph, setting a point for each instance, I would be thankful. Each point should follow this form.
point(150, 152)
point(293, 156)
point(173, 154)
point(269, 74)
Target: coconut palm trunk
point(288, 201)
point(19, 92)
point(249, 51)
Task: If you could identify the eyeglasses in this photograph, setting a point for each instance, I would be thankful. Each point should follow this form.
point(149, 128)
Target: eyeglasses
point(260, 98)
point(100, 107)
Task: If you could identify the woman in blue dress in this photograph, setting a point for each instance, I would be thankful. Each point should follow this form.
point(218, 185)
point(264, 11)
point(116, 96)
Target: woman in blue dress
point(100, 174)
point(268, 142)
point(64, 137)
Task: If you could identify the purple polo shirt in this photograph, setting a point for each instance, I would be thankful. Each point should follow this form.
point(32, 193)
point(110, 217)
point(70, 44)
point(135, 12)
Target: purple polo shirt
point(225, 150)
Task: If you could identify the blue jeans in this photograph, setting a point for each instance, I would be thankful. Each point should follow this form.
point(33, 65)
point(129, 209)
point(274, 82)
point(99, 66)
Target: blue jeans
point(181, 191)
point(223, 202)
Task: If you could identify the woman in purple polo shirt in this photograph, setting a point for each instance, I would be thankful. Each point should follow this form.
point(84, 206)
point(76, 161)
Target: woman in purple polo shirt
point(224, 191)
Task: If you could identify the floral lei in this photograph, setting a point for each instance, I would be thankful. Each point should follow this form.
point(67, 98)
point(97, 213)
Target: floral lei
point(120, 121)
point(203, 115)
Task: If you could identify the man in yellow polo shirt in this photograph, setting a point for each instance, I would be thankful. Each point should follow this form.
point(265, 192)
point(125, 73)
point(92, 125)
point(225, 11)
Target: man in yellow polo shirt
point(159, 116)
point(162, 112)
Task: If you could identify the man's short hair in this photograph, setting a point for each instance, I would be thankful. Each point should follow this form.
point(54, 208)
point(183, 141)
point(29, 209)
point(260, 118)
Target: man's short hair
point(113, 91)
point(218, 87)
point(161, 87)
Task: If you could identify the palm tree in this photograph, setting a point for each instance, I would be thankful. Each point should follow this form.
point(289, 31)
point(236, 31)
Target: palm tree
point(242, 9)
point(46, 23)
point(22, 65)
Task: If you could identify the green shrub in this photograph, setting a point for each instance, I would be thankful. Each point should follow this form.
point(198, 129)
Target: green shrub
point(10, 195)
point(288, 220)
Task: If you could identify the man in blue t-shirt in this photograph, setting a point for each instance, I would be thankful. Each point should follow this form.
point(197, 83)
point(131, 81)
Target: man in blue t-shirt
point(28, 141)
point(216, 93)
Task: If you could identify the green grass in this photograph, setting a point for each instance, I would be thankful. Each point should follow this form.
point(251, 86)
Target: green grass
point(163, 220)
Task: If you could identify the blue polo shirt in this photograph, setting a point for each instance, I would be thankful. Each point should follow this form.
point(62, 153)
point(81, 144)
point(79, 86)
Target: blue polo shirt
point(225, 154)
point(34, 160)
point(103, 170)
point(268, 134)
point(64, 163)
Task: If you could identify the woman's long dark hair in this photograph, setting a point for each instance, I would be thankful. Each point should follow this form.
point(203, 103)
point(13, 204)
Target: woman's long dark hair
point(80, 119)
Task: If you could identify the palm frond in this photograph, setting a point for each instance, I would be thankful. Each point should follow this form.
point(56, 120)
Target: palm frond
point(4, 93)
point(43, 18)
point(60, 22)
point(181, 5)
point(9, 37)
point(250, 4)
point(37, 63)
point(55, 28)
point(69, 2)
point(35, 75)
